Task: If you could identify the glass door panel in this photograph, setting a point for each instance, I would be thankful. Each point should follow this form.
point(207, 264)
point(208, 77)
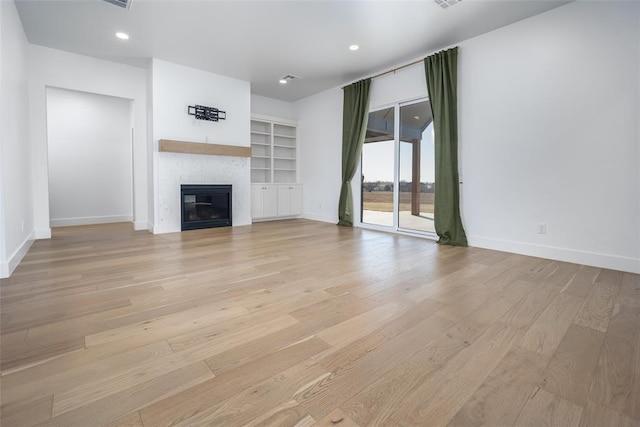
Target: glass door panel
point(378, 169)
point(416, 168)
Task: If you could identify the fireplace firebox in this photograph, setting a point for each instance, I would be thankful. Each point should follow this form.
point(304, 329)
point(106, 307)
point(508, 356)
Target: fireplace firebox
point(205, 206)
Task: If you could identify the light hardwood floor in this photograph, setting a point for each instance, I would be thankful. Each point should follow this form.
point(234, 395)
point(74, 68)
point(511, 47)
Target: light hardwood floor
point(304, 323)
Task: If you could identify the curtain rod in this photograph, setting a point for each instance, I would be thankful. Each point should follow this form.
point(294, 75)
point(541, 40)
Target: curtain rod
point(391, 71)
point(398, 68)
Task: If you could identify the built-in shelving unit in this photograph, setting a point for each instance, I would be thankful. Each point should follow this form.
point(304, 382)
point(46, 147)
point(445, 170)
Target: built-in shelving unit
point(273, 152)
point(275, 192)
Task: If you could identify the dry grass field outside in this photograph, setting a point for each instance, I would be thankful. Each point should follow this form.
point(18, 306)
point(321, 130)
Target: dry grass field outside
point(382, 201)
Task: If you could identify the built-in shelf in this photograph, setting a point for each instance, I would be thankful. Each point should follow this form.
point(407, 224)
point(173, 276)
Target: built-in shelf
point(274, 151)
point(171, 146)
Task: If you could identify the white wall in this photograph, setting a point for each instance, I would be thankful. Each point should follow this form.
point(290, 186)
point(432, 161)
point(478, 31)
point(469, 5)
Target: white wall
point(55, 68)
point(272, 107)
point(16, 208)
point(319, 120)
point(403, 85)
point(175, 88)
point(90, 158)
point(548, 112)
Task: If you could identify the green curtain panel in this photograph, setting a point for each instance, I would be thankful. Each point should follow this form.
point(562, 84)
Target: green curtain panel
point(354, 125)
point(441, 72)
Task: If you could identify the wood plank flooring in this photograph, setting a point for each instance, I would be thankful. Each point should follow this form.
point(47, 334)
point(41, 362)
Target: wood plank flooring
point(300, 323)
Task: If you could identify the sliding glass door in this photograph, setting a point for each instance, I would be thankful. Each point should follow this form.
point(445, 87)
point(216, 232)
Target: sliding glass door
point(398, 168)
point(416, 168)
point(378, 169)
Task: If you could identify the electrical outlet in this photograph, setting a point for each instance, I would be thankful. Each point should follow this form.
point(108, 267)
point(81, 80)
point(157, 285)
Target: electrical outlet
point(542, 228)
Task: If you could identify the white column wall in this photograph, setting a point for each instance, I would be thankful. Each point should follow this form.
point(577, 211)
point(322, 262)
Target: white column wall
point(16, 206)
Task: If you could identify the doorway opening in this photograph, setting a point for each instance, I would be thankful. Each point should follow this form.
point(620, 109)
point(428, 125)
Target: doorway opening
point(90, 155)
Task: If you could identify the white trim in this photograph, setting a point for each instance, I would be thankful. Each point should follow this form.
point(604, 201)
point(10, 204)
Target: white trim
point(613, 262)
point(322, 218)
point(399, 231)
point(273, 218)
point(7, 267)
point(375, 227)
point(140, 225)
point(278, 120)
point(89, 220)
point(164, 229)
point(418, 233)
point(42, 233)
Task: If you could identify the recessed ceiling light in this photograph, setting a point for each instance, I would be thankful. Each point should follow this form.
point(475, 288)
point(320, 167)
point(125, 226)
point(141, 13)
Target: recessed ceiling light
point(354, 47)
point(283, 82)
point(122, 36)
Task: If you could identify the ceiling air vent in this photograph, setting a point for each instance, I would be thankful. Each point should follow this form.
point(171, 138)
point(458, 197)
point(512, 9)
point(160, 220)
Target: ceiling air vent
point(286, 79)
point(122, 3)
point(444, 3)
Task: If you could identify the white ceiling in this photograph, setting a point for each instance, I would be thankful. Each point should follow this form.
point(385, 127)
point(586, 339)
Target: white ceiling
point(261, 41)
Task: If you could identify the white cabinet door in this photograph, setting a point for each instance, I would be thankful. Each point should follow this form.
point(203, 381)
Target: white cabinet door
point(289, 200)
point(296, 199)
point(264, 201)
point(269, 201)
point(284, 200)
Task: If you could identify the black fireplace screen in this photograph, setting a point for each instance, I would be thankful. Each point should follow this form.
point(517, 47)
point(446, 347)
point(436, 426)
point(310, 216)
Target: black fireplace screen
point(205, 206)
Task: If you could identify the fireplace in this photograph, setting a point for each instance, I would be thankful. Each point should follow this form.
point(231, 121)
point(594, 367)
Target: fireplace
point(205, 206)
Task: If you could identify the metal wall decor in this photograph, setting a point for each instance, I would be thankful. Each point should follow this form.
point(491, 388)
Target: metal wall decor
point(206, 113)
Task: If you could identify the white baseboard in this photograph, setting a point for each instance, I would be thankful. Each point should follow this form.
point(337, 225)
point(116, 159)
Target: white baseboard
point(613, 262)
point(42, 233)
point(163, 229)
point(322, 218)
point(140, 225)
point(7, 267)
point(89, 220)
point(273, 218)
